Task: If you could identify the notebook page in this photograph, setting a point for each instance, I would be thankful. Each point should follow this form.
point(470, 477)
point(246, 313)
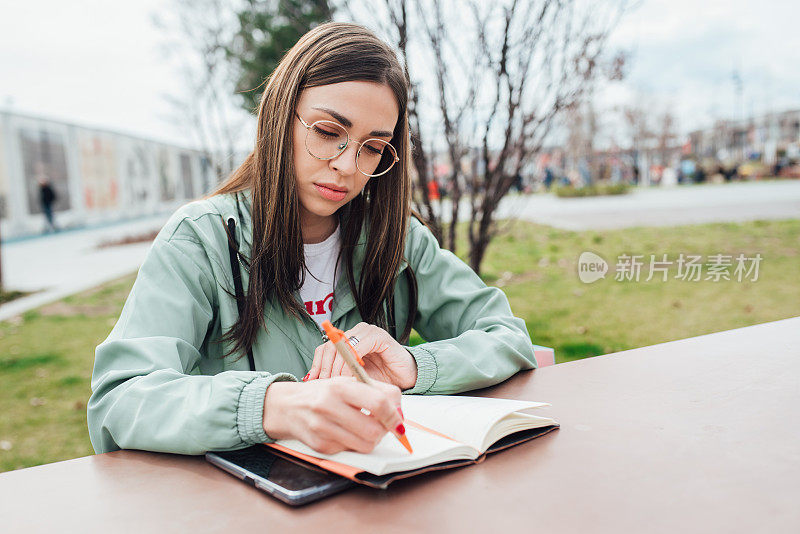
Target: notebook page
point(514, 423)
point(390, 456)
point(466, 419)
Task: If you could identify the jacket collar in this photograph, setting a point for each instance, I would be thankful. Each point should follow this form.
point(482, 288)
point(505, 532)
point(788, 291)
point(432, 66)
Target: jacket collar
point(239, 206)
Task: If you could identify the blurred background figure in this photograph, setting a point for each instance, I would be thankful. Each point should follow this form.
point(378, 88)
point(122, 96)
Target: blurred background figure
point(47, 196)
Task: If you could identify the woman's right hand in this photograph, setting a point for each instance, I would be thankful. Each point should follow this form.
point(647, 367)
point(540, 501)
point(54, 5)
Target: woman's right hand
point(326, 414)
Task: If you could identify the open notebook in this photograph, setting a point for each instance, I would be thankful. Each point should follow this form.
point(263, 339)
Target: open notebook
point(444, 431)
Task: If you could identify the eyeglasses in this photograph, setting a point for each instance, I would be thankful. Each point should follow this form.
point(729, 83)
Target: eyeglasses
point(327, 140)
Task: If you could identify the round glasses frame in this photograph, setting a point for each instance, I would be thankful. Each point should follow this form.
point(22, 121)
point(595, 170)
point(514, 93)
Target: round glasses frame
point(342, 148)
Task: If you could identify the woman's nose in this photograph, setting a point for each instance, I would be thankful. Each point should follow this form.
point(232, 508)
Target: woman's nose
point(345, 162)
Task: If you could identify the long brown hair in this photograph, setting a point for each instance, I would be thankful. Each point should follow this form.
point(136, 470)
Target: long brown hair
point(330, 53)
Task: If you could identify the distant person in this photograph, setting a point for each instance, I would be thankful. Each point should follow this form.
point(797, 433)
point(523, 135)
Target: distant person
point(776, 169)
point(548, 178)
point(700, 175)
point(47, 196)
point(585, 174)
point(517, 182)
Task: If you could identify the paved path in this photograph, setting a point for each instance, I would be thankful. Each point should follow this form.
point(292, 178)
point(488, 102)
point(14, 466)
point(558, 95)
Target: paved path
point(57, 265)
point(695, 204)
point(61, 264)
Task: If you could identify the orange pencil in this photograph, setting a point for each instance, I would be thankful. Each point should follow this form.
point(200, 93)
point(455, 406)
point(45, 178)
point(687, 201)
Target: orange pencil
point(352, 359)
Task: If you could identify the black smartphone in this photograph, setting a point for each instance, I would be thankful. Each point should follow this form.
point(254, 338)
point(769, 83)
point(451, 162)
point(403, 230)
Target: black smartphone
point(291, 480)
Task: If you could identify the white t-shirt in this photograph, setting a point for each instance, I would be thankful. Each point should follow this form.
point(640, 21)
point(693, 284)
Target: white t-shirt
point(317, 290)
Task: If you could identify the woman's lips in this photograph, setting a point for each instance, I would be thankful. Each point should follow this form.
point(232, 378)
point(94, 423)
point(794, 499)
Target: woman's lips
point(335, 195)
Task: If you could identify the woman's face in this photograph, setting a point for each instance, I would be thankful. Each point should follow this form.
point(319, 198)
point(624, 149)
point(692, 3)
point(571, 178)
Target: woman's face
point(364, 109)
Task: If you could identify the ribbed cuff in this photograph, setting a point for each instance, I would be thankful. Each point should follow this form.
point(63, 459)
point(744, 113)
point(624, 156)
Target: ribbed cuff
point(427, 370)
point(250, 409)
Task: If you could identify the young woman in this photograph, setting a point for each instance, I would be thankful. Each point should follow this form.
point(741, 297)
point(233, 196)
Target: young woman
point(317, 224)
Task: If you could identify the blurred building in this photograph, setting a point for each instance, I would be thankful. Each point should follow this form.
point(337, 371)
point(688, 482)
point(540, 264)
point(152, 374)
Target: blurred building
point(98, 176)
point(766, 138)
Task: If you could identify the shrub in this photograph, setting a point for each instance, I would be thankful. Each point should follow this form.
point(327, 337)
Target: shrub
point(592, 190)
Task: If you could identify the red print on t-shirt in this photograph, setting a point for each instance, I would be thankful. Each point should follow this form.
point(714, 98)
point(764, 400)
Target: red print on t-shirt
point(317, 307)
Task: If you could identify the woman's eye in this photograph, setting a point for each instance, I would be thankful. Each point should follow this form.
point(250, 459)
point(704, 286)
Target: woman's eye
point(324, 132)
point(374, 150)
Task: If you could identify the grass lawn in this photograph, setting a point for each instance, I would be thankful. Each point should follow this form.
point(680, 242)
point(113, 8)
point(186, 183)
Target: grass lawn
point(46, 356)
point(538, 266)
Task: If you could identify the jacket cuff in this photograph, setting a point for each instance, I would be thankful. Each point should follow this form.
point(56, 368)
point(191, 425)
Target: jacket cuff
point(427, 370)
point(250, 408)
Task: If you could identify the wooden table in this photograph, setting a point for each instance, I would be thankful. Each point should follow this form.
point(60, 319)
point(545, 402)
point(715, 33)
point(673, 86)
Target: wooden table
point(697, 435)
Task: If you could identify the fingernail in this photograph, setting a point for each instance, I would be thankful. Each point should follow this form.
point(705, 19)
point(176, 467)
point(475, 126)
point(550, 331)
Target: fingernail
point(400, 411)
point(306, 377)
point(400, 429)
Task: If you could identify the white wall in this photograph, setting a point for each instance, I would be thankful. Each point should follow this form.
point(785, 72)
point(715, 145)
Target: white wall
point(99, 176)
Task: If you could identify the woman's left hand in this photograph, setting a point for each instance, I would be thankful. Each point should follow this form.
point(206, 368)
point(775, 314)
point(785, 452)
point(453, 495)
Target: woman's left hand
point(384, 358)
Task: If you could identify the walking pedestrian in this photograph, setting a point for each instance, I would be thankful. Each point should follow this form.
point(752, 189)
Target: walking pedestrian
point(47, 196)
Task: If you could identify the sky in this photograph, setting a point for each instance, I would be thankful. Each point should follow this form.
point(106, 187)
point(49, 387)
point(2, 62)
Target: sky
point(102, 63)
point(683, 54)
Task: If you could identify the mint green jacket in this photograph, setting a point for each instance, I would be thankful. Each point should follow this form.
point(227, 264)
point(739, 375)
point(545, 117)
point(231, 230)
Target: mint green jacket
point(161, 383)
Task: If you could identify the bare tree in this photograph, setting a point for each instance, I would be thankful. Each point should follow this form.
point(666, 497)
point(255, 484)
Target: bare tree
point(667, 136)
point(636, 118)
point(637, 123)
point(583, 128)
point(502, 73)
point(394, 22)
point(198, 32)
point(491, 77)
point(543, 58)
